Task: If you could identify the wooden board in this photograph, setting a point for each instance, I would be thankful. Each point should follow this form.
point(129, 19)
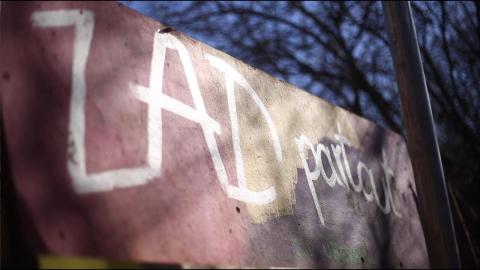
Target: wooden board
point(131, 141)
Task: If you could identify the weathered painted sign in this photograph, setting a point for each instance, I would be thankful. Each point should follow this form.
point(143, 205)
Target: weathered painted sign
point(131, 141)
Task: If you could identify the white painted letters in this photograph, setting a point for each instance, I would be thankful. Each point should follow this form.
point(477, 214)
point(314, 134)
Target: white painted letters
point(344, 168)
point(232, 76)
point(83, 21)
point(335, 156)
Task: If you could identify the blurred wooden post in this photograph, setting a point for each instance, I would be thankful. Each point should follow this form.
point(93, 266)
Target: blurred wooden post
point(421, 139)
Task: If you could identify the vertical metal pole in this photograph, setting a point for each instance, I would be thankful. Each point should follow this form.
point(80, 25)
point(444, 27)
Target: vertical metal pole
point(421, 139)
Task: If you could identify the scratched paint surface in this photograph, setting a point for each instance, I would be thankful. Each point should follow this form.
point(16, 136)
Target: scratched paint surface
point(130, 141)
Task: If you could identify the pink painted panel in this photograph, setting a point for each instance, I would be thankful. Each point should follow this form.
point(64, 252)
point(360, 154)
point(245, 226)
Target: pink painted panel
point(131, 142)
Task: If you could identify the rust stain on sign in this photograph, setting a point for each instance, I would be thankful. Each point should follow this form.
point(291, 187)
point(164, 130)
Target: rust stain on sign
point(131, 141)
